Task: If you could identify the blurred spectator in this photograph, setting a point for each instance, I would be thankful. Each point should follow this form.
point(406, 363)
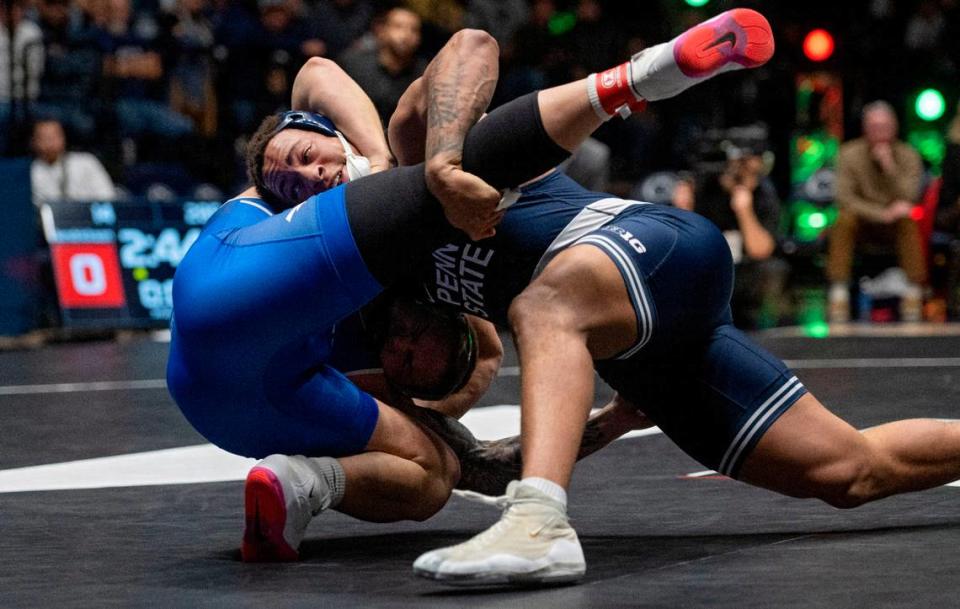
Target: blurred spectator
point(286, 30)
point(948, 214)
point(925, 28)
point(264, 43)
point(501, 18)
point(446, 15)
point(69, 88)
point(191, 65)
point(742, 202)
point(56, 174)
point(878, 182)
point(596, 42)
point(924, 41)
point(948, 208)
point(531, 56)
point(589, 165)
point(133, 45)
point(23, 86)
point(340, 22)
point(386, 71)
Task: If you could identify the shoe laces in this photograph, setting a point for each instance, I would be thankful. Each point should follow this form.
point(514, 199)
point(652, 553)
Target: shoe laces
point(501, 501)
point(504, 503)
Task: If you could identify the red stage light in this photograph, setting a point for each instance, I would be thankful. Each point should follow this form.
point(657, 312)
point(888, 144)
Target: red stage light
point(818, 45)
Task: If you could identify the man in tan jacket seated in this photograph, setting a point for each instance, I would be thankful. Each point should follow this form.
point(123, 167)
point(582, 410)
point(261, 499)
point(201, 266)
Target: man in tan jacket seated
point(878, 181)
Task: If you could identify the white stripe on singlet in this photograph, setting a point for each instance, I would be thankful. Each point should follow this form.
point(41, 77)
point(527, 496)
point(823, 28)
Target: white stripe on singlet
point(755, 423)
point(252, 203)
point(589, 219)
point(634, 285)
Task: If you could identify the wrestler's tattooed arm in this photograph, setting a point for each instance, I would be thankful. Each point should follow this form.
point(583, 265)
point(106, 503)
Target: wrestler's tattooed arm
point(488, 466)
point(459, 84)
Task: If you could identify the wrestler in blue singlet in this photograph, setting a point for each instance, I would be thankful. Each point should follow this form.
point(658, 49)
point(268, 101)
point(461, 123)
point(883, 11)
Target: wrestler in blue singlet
point(255, 305)
point(257, 297)
point(706, 384)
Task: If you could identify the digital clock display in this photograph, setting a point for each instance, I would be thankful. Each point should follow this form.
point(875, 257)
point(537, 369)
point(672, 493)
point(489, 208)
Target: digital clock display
point(114, 261)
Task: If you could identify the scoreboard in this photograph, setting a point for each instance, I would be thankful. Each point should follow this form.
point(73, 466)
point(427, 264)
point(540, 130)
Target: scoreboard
point(113, 261)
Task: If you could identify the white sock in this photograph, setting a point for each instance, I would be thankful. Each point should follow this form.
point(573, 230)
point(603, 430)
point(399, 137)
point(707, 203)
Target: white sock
point(656, 75)
point(547, 487)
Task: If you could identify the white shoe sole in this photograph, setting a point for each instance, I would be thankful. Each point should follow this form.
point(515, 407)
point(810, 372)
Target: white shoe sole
point(547, 576)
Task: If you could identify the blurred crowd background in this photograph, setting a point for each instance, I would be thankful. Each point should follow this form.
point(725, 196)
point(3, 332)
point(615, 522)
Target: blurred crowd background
point(156, 98)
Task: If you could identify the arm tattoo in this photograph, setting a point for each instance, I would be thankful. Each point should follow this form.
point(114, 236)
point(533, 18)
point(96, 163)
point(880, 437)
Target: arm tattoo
point(459, 88)
point(485, 467)
point(488, 466)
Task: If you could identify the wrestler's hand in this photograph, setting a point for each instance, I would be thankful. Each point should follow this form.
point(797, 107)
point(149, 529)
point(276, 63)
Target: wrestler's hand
point(381, 162)
point(468, 202)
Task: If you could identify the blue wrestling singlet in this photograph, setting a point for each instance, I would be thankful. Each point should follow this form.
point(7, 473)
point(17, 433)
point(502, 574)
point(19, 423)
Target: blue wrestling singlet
point(708, 386)
point(255, 303)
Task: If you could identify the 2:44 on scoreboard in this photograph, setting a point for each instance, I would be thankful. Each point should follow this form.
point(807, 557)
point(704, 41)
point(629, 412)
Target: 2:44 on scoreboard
point(139, 249)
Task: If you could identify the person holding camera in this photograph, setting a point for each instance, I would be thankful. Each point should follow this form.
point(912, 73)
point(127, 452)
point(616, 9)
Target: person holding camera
point(744, 205)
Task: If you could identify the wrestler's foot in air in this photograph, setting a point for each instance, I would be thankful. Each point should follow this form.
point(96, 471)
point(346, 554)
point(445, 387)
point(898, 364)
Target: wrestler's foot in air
point(281, 495)
point(736, 39)
point(733, 40)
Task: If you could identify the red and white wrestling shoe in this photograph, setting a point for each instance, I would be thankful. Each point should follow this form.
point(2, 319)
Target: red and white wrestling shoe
point(733, 40)
point(281, 495)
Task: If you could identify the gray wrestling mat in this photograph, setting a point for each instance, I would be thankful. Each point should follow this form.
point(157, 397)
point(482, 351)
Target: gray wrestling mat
point(159, 530)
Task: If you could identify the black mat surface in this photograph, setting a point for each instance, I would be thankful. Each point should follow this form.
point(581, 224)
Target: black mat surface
point(652, 537)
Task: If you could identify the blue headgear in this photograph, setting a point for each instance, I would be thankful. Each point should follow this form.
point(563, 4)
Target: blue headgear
point(357, 166)
point(309, 121)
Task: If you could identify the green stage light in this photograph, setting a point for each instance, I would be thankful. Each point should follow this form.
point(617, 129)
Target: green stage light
point(697, 3)
point(561, 22)
point(817, 219)
point(817, 329)
point(810, 220)
point(930, 105)
point(931, 145)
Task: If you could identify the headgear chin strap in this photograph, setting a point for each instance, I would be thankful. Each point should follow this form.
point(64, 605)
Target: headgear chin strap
point(357, 166)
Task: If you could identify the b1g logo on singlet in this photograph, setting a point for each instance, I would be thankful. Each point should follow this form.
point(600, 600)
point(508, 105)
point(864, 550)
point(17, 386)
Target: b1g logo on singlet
point(459, 276)
point(88, 275)
point(628, 237)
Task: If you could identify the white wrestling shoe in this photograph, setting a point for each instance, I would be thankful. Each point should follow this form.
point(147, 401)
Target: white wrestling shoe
point(737, 39)
point(533, 543)
point(281, 495)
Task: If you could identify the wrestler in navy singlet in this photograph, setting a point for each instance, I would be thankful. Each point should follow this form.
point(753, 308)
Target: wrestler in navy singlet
point(706, 384)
